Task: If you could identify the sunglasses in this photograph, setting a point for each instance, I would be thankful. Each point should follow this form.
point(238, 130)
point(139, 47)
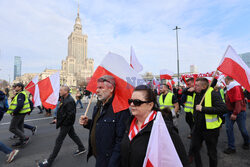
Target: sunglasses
point(137, 102)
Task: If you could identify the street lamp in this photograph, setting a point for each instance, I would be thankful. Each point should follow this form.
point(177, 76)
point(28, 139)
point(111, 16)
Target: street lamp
point(178, 65)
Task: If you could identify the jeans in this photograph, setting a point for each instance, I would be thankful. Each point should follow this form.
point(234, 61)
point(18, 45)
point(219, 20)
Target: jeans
point(26, 126)
point(16, 126)
point(79, 101)
point(211, 139)
point(4, 148)
point(57, 106)
point(64, 130)
point(241, 122)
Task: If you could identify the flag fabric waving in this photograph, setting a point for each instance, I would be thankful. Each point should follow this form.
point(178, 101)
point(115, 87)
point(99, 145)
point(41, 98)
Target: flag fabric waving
point(126, 79)
point(49, 90)
point(33, 88)
point(134, 63)
point(233, 66)
point(166, 74)
point(161, 151)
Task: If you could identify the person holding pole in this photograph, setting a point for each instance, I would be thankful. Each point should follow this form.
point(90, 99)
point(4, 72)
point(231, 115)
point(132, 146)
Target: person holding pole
point(236, 106)
point(208, 107)
point(65, 120)
point(106, 128)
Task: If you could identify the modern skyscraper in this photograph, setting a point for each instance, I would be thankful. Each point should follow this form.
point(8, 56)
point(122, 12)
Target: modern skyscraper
point(17, 66)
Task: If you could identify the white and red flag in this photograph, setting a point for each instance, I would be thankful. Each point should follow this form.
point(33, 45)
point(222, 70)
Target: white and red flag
point(49, 90)
point(166, 74)
point(233, 66)
point(161, 151)
point(32, 87)
point(126, 79)
point(134, 63)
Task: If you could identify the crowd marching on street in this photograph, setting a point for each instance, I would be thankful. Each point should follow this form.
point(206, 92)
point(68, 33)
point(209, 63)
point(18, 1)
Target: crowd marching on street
point(122, 138)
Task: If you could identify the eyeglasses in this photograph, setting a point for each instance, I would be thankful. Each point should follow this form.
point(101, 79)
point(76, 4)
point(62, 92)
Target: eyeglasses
point(137, 102)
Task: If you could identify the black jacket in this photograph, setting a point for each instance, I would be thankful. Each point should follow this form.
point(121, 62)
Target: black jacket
point(110, 128)
point(218, 107)
point(134, 152)
point(66, 113)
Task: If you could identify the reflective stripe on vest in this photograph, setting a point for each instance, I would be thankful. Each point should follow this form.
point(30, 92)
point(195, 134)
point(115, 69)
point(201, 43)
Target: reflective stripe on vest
point(167, 101)
point(222, 95)
point(212, 120)
point(26, 105)
point(188, 106)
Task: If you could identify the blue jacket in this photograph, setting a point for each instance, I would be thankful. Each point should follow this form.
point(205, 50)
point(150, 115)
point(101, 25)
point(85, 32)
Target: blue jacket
point(3, 102)
point(110, 128)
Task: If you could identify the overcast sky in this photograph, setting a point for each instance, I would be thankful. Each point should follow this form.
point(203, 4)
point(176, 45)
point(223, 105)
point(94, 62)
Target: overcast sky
point(38, 31)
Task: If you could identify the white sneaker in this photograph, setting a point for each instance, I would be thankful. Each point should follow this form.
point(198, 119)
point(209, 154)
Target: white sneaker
point(12, 156)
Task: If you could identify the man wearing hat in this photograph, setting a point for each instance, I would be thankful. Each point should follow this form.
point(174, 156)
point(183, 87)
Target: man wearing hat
point(106, 128)
point(19, 107)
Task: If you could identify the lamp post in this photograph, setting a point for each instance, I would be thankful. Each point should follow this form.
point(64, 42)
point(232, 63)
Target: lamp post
point(178, 65)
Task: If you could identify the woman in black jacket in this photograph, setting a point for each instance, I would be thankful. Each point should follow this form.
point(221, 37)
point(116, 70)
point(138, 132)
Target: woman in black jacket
point(143, 106)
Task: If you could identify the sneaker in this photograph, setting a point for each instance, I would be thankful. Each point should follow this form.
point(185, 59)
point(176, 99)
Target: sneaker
point(53, 122)
point(21, 143)
point(34, 130)
point(12, 156)
point(229, 151)
point(79, 152)
point(13, 137)
point(43, 164)
point(245, 146)
point(40, 112)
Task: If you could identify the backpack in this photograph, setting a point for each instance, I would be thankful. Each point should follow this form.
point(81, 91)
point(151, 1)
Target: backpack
point(31, 105)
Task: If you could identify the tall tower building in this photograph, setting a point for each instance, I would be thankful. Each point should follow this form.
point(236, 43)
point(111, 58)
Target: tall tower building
point(77, 67)
point(17, 66)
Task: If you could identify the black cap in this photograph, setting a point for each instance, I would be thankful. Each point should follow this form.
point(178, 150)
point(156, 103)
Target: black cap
point(19, 85)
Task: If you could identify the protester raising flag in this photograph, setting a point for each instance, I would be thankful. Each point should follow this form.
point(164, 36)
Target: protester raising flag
point(161, 151)
point(233, 66)
point(33, 88)
point(126, 79)
point(166, 74)
point(134, 63)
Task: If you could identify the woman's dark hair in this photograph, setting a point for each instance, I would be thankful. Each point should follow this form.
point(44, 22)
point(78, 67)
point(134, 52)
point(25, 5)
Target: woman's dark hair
point(149, 96)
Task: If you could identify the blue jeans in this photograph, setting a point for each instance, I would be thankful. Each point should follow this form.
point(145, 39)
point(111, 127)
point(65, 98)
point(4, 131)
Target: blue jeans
point(26, 126)
point(4, 148)
point(241, 122)
point(57, 106)
point(79, 101)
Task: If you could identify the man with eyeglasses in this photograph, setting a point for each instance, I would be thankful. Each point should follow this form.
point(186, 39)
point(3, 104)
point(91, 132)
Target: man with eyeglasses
point(106, 128)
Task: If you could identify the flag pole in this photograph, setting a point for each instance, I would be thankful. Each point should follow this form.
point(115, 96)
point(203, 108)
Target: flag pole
point(31, 86)
point(90, 101)
point(208, 86)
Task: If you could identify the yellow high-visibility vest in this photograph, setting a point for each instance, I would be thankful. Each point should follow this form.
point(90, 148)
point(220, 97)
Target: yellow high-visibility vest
point(26, 105)
point(167, 102)
point(212, 120)
point(222, 95)
point(188, 106)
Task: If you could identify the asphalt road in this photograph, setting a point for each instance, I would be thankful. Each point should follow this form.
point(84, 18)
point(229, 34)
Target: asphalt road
point(42, 143)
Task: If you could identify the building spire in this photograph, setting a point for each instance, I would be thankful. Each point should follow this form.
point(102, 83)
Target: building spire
point(78, 9)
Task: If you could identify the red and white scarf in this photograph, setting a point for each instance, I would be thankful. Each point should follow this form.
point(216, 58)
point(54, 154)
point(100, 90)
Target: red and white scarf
point(134, 129)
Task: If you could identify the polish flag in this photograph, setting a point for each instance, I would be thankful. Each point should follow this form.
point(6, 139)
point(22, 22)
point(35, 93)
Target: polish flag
point(134, 63)
point(126, 79)
point(33, 88)
point(161, 150)
point(233, 66)
point(166, 74)
point(49, 90)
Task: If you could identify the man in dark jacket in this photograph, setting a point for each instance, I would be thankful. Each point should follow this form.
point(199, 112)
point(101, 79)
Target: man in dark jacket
point(106, 127)
point(3, 104)
point(65, 120)
point(207, 121)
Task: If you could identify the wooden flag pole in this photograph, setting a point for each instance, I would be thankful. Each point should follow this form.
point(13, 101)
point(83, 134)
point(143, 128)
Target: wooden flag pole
point(31, 86)
point(90, 101)
point(208, 87)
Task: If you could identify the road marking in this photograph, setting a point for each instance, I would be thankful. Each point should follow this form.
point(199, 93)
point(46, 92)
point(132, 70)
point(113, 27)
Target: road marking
point(28, 120)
